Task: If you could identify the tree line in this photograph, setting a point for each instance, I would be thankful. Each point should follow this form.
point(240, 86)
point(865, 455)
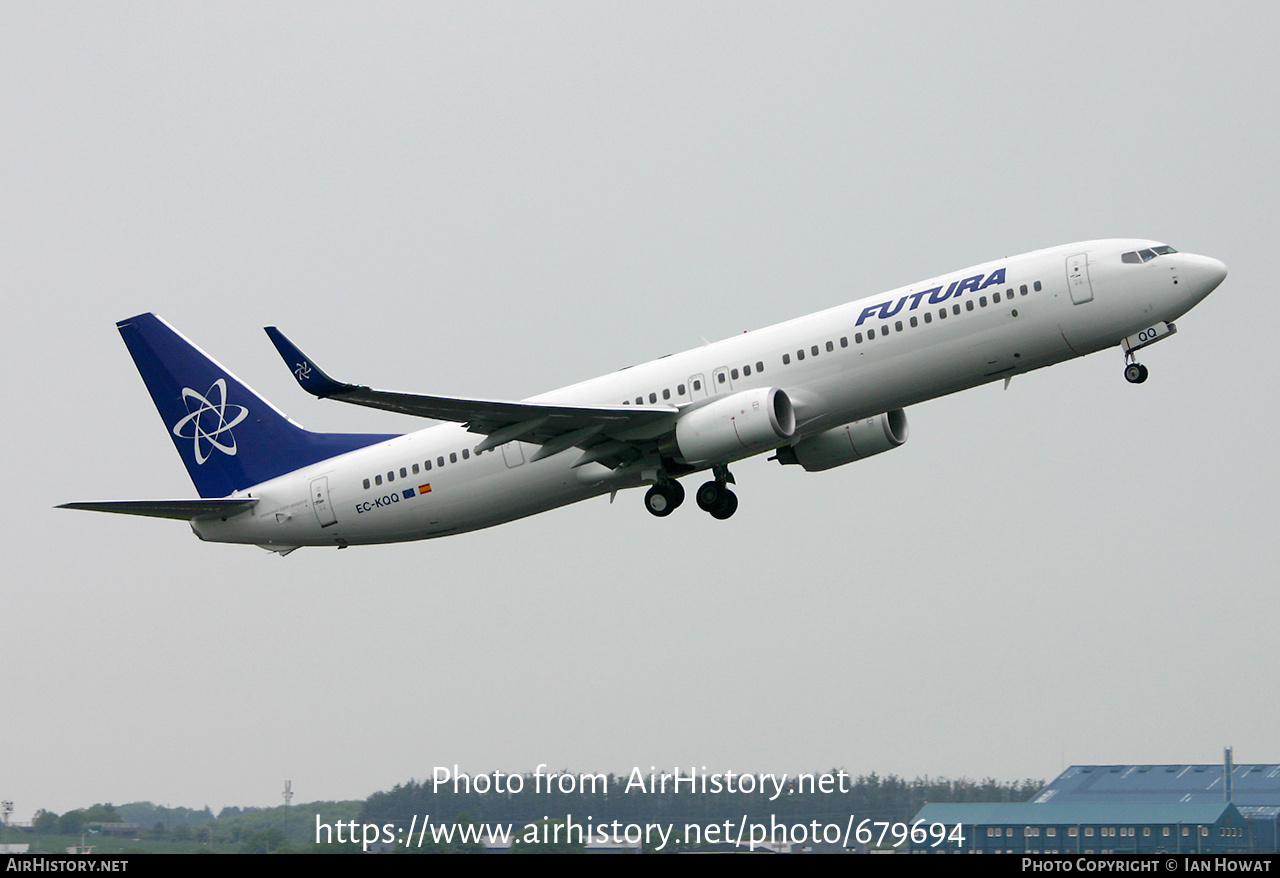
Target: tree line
point(889, 798)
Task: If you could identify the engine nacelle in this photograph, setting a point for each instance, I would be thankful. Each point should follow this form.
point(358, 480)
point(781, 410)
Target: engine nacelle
point(735, 427)
point(841, 445)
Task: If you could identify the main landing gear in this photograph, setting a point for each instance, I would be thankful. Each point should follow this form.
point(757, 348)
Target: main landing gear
point(663, 498)
point(714, 496)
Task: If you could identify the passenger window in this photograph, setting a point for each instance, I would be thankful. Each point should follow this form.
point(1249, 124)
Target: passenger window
point(830, 347)
point(453, 457)
point(426, 464)
point(871, 333)
point(653, 397)
point(799, 355)
point(955, 309)
point(391, 476)
point(759, 366)
point(844, 341)
point(1037, 286)
point(897, 325)
point(1023, 289)
point(697, 385)
point(466, 454)
point(415, 469)
point(639, 400)
point(680, 389)
point(720, 377)
point(666, 393)
point(995, 297)
point(404, 473)
point(814, 350)
point(928, 317)
point(982, 300)
point(366, 484)
point(746, 371)
point(786, 359)
point(914, 322)
point(734, 374)
point(377, 480)
point(968, 306)
point(440, 461)
point(857, 338)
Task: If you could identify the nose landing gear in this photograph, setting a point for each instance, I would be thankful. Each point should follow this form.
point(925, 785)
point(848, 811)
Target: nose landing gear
point(1135, 373)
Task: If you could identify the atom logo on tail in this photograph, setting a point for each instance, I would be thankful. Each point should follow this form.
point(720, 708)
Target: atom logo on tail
point(196, 425)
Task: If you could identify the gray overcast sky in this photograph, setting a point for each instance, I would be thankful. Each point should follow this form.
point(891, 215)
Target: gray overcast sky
point(496, 200)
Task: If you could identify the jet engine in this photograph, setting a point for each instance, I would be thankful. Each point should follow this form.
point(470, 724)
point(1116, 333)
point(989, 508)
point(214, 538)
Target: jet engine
point(734, 427)
point(841, 445)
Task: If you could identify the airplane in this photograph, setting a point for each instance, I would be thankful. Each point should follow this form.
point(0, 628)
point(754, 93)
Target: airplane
point(818, 392)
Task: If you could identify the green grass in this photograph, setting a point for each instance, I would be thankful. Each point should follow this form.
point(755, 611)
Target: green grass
point(57, 844)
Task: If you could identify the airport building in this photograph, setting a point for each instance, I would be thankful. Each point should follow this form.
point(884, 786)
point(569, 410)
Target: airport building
point(1030, 828)
point(1225, 808)
point(1253, 789)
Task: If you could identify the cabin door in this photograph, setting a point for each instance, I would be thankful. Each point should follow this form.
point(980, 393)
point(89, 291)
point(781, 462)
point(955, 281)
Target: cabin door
point(320, 501)
point(1078, 279)
point(720, 382)
point(697, 386)
point(513, 454)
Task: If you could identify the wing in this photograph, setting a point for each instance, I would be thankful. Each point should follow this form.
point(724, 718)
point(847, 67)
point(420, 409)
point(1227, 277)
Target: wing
point(183, 510)
point(612, 435)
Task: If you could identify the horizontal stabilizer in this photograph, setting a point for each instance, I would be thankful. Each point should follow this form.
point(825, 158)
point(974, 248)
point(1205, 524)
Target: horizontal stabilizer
point(182, 510)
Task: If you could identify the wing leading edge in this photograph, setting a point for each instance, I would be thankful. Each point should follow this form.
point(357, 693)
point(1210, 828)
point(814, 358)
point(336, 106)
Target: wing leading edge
point(612, 435)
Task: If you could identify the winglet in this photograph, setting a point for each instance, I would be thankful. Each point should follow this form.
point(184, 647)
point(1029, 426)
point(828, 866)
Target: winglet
point(310, 376)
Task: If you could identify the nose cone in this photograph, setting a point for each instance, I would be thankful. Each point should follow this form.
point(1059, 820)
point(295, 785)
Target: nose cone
point(1204, 273)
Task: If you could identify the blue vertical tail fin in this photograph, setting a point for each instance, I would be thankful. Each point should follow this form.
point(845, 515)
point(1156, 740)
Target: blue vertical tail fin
point(229, 437)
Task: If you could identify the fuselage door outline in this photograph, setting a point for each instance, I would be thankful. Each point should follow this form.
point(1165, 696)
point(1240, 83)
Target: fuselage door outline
point(512, 454)
point(697, 387)
point(720, 382)
point(320, 501)
point(1078, 279)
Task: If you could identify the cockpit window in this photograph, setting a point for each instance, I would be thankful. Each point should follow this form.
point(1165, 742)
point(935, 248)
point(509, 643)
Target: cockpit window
point(1136, 256)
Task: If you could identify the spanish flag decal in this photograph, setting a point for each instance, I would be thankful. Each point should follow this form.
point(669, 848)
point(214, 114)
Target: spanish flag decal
point(424, 489)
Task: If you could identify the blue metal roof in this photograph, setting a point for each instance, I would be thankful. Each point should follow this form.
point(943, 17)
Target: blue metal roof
point(1087, 814)
point(1256, 785)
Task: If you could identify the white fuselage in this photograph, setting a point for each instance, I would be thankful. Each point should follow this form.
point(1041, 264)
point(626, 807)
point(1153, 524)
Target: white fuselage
point(931, 338)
